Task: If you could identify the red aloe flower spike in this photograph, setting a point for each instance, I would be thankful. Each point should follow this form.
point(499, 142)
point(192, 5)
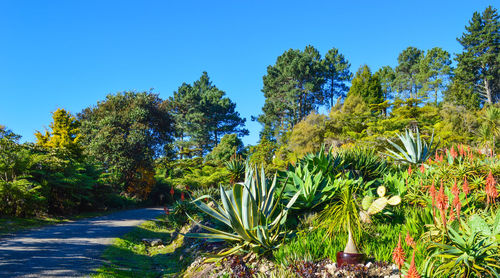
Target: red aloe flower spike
point(442, 199)
point(172, 191)
point(398, 255)
point(432, 192)
point(422, 168)
point(182, 196)
point(453, 153)
point(442, 204)
point(461, 150)
point(452, 215)
point(409, 240)
point(441, 158)
point(491, 189)
point(455, 189)
point(410, 171)
point(465, 187)
point(437, 156)
point(412, 271)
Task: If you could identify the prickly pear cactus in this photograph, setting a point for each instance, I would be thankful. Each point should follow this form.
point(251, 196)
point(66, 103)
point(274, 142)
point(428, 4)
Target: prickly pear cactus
point(374, 206)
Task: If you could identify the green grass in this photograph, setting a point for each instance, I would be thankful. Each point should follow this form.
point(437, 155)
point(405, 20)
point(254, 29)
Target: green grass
point(129, 257)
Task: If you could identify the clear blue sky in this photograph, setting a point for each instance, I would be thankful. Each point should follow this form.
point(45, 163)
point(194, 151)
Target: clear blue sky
point(71, 54)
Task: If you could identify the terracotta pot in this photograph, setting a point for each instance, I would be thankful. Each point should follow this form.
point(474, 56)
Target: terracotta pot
point(349, 258)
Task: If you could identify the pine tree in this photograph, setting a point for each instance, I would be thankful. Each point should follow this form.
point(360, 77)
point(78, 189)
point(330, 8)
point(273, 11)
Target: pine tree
point(479, 64)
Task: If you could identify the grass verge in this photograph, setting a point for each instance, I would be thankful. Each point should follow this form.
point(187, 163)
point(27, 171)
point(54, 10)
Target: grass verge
point(130, 257)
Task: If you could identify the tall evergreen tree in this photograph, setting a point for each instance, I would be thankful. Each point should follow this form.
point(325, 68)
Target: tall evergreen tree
point(435, 71)
point(367, 86)
point(203, 115)
point(479, 64)
point(337, 74)
point(407, 72)
point(386, 75)
point(292, 88)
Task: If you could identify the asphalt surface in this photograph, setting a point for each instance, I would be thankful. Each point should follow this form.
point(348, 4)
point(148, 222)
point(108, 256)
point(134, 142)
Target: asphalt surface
point(66, 250)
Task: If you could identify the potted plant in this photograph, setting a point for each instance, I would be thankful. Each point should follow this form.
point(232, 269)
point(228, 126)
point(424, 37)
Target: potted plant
point(343, 214)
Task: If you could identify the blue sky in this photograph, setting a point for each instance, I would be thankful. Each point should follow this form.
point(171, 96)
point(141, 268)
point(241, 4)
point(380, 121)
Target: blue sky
point(71, 54)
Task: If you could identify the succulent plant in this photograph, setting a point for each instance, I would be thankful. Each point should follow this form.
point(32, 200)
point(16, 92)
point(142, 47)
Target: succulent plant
point(372, 205)
point(252, 211)
point(416, 150)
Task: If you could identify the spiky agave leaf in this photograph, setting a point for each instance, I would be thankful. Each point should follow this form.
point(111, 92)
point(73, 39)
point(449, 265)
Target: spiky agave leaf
point(250, 210)
point(415, 150)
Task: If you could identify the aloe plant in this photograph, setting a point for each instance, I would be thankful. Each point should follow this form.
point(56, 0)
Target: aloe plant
point(466, 255)
point(236, 167)
point(415, 151)
point(252, 212)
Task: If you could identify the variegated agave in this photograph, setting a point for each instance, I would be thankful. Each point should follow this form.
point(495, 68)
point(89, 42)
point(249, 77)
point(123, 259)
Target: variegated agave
point(253, 213)
point(415, 150)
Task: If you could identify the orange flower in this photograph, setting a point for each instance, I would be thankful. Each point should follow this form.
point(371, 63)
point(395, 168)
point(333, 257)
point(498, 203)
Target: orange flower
point(455, 189)
point(442, 199)
point(182, 196)
point(167, 211)
point(453, 153)
point(491, 189)
point(436, 156)
point(409, 240)
point(422, 168)
point(410, 171)
point(398, 255)
point(412, 271)
point(432, 192)
point(172, 191)
point(461, 150)
point(465, 187)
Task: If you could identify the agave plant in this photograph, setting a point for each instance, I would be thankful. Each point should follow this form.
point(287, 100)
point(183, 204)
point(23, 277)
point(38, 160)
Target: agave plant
point(364, 163)
point(330, 165)
point(416, 150)
point(313, 188)
point(252, 212)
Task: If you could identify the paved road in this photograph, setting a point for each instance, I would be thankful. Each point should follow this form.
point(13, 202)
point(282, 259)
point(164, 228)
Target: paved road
point(66, 250)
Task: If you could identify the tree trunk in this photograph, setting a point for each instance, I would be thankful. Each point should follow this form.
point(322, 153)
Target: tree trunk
point(351, 247)
point(487, 88)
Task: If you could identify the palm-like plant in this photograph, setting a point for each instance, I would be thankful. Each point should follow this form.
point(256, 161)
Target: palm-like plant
point(343, 213)
point(252, 212)
point(490, 129)
point(415, 150)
